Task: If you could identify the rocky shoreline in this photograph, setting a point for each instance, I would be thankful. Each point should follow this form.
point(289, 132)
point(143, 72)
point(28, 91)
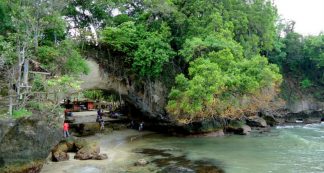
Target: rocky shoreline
point(25, 143)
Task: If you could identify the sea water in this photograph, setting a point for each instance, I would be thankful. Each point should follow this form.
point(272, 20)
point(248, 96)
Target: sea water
point(286, 149)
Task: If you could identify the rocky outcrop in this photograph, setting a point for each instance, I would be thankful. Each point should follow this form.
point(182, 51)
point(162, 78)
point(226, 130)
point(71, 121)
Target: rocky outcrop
point(85, 150)
point(29, 141)
point(256, 121)
point(59, 152)
point(238, 127)
point(149, 97)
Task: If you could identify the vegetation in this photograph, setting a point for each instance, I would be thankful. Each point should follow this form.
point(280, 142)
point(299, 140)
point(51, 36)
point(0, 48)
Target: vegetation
point(217, 53)
point(21, 113)
point(300, 59)
point(34, 31)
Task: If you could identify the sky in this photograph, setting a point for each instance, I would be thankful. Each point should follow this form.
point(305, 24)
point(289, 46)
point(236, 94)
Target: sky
point(308, 14)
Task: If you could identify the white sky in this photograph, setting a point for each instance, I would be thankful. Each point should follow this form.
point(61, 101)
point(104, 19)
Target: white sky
point(308, 14)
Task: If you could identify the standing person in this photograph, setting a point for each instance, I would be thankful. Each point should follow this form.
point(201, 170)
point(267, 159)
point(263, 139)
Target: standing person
point(99, 115)
point(102, 124)
point(66, 129)
point(141, 126)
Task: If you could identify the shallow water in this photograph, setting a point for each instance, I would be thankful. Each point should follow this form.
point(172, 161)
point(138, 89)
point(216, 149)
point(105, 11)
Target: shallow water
point(295, 149)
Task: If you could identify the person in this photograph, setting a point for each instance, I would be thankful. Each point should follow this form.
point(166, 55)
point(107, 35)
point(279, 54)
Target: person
point(102, 124)
point(66, 129)
point(141, 126)
point(99, 115)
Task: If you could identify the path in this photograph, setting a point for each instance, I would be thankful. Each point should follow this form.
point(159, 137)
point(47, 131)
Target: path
point(89, 117)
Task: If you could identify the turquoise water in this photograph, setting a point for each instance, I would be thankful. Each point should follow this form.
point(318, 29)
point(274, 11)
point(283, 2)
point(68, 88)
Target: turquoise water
point(295, 149)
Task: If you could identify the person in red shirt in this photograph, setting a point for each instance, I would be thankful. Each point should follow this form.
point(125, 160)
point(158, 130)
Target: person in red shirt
point(66, 129)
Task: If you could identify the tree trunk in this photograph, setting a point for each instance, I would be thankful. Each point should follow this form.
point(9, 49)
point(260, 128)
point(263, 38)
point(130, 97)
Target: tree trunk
point(25, 77)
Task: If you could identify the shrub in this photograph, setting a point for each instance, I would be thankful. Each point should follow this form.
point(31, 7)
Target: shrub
point(21, 112)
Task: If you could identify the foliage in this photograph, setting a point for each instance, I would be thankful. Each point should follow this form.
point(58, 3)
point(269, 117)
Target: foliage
point(306, 83)
point(147, 51)
point(93, 94)
point(62, 59)
point(22, 112)
point(215, 79)
point(61, 85)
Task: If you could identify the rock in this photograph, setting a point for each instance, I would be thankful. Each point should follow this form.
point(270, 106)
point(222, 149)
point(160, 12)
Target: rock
point(238, 127)
point(30, 139)
point(218, 133)
point(204, 126)
point(256, 121)
point(101, 157)
point(270, 120)
point(177, 169)
point(86, 150)
point(59, 153)
point(246, 130)
point(141, 162)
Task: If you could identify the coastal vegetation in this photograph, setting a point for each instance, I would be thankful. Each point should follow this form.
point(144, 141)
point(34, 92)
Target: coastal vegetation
point(225, 58)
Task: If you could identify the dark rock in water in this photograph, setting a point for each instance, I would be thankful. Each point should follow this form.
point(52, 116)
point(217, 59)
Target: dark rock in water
point(238, 127)
point(241, 130)
point(306, 117)
point(170, 163)
point(177, 169)
point(256, 121)
point(270, 120)
point(204, 126)
point(30, 139)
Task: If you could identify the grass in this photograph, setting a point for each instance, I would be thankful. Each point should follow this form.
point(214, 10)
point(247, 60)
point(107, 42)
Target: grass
point(21, 113)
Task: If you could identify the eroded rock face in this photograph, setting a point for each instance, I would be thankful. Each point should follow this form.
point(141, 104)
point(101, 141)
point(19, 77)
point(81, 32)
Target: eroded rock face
point(29, 140)
point(150, 97)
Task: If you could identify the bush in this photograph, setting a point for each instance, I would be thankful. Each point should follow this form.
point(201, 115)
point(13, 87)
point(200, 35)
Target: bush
point(21, 112)
point(306, 83)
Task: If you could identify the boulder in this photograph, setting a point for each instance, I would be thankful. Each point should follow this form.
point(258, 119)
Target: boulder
point(30, 139)
point(100, 157)
point(88, 152)
point(59, 153)
point(270, 120)
point(141, 162)
point(85, 150)
point(238, 127)
point(204, 126)
point(241, 130)
point(256, 121)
